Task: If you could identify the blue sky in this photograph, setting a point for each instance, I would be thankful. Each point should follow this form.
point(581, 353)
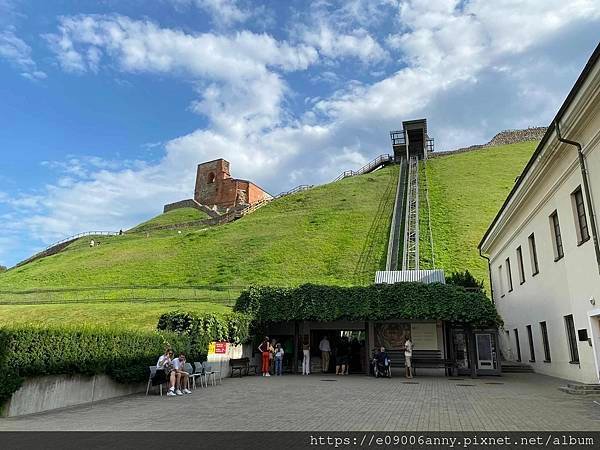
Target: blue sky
point(107, 106)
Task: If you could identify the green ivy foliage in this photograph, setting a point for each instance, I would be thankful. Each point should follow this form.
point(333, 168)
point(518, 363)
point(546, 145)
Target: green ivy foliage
point(415, 301)
point(205, 328)
point(28, 351)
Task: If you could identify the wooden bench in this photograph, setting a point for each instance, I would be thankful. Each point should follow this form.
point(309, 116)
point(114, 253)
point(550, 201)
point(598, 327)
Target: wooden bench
point(431, 359)
point(241, 365)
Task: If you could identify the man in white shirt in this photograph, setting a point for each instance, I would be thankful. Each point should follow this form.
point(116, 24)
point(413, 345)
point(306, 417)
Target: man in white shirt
point(165, 364)
point(325, 348)
point(408, 348)
point(181, 375)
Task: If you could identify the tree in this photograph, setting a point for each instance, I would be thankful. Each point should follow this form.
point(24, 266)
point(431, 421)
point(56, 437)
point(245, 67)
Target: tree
point(3, 269)
point(466, 280)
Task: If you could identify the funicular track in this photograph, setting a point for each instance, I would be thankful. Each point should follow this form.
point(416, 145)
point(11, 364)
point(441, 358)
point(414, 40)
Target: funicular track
point(410, 254)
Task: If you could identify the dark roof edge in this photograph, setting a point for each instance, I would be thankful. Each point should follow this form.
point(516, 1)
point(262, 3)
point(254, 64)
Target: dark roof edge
point(572, 93)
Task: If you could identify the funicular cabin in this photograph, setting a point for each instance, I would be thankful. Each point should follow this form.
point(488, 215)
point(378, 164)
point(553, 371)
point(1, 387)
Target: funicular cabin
point(412, 140)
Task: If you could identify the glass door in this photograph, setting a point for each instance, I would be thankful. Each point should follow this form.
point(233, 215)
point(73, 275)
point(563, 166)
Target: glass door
point(485, 351)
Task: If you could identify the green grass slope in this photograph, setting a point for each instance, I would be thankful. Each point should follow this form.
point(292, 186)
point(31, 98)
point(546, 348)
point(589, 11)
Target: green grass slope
point(466, 190)
point(173, 217)
point(335, 234)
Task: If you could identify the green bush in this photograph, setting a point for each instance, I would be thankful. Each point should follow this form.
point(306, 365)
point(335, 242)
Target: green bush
point(415, 301)
point(205, 328)
point(466, 280)
point(27, 351)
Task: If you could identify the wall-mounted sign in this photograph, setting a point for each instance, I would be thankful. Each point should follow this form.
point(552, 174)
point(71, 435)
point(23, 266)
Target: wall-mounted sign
point(211, 348)
point(221, 347)
point(424, 336)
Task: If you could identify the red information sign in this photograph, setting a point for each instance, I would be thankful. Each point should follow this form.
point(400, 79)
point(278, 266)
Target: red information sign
point(220, 347)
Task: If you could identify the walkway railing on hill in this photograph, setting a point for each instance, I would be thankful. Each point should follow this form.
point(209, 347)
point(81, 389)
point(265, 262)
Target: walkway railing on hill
point(378, 162)
point(78, 235)
point(302, 187)
point(221, 294)
point(60, 245)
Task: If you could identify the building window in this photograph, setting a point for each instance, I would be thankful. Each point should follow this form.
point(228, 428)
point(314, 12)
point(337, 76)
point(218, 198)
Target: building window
point(531, 347)
point(572, 339)
point(211, 178)
point(501, 281)
point(545, 342)
point(556, 236)
point(518, 345)
point(581, 225)
point(520, 265)
point(535, 268)
point(509, 275)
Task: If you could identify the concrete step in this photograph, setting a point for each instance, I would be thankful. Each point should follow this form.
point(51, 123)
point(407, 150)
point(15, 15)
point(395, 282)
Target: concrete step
point(515, 367)
point(581, 389)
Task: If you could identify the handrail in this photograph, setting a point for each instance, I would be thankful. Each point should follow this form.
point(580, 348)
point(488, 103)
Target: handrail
point(300, 188)
point(78, 235)
point(369, 167)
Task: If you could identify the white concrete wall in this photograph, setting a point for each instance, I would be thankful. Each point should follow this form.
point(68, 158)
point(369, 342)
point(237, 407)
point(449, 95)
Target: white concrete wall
point(565, 286)
point(60, 391)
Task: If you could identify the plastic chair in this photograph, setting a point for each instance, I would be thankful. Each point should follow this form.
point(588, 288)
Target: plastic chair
point(199, 372)
point(190, 370)
point(208, 373)
point(152, 373)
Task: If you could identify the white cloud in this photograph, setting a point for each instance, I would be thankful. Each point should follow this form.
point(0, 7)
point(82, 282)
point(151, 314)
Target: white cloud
point(18, 53)
point(470, 68)
point(332, 44)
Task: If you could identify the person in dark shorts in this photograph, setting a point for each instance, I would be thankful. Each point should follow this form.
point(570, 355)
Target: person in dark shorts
point(341, 357)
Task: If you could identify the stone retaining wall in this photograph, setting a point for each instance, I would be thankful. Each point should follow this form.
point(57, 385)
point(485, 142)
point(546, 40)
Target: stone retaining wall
point(503, 138)
point(60, 391)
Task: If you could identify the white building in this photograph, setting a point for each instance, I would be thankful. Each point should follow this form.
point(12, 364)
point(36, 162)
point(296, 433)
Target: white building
point(543, 247)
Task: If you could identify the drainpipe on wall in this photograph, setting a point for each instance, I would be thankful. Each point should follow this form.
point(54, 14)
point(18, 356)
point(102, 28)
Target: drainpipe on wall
point(489, 275)
point(586, 188)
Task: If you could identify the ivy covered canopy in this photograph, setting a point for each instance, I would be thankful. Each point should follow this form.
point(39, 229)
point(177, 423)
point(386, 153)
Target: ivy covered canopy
point(411, 301)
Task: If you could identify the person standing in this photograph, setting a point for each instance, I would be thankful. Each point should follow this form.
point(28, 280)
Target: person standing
point(408, 348)
point(325, 348)
point(264, 349)
point(306, 357)
point(279, 352)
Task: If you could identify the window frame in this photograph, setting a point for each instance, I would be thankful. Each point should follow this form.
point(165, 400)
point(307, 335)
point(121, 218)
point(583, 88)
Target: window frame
point(518, 344)
point(545, 341)
point(557, 242)
point(520, 265)
point(535, 265)
point(571, 339)
point(509, 275)
point(531, 344)
point(582, 227)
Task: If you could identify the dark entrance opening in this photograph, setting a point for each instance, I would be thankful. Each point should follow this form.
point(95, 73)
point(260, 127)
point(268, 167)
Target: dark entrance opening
point(350, 343)
point(416, 143)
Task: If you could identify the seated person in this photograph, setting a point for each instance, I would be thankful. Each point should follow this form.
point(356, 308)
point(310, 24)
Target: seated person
point(182, 377)
point(165, 372)
point(382, 360)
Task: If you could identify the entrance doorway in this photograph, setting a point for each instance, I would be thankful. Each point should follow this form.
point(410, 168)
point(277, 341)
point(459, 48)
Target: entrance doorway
point(347, 344)
point(485, 350)
point(594, 319)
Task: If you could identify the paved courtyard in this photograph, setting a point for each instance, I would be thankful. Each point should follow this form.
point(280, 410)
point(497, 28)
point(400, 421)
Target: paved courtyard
point(354, 403)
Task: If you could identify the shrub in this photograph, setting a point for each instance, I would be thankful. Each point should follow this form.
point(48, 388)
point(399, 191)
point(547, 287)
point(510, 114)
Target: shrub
point(466, 280)
point(205, 328)
point(27, 351)
point(416, 301)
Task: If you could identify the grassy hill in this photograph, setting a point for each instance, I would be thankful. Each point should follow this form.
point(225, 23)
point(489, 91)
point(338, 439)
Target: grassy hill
point(171, 218)
point(334, 234)
point(466, 190)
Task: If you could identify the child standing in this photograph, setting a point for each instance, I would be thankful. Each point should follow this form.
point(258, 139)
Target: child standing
point(278, 359)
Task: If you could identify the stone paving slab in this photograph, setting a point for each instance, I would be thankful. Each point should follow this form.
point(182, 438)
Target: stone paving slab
point(354, 403)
